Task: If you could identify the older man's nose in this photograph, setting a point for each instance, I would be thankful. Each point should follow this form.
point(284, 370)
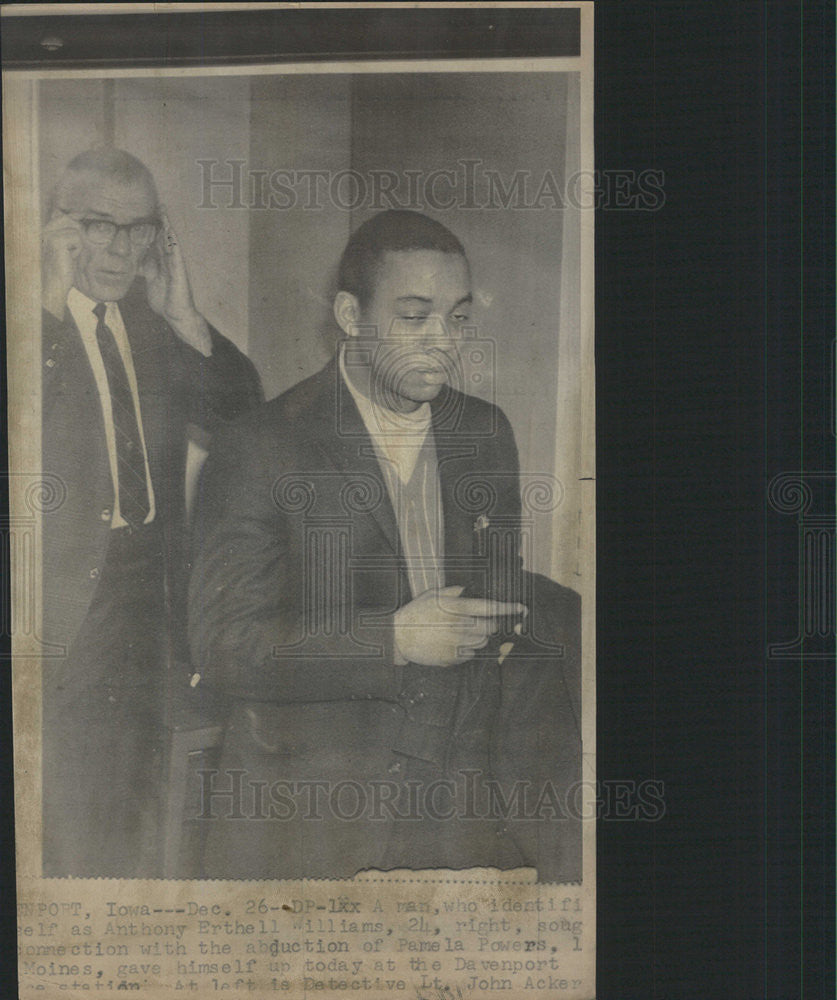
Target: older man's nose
point(121, 243)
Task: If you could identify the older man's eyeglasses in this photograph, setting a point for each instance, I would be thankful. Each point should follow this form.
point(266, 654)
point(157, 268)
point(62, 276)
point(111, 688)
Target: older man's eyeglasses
point(102, 232)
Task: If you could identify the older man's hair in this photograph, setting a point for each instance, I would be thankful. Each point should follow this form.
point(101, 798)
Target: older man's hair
point(391, 231)
point(106, 162)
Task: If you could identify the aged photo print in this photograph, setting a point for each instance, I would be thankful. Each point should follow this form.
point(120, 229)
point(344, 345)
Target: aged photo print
point(303, 486)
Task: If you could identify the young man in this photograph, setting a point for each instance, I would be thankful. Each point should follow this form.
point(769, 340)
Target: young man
point(358, 556)
point(128, 363)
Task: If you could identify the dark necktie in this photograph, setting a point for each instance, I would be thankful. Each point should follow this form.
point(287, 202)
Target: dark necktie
point(133, 488)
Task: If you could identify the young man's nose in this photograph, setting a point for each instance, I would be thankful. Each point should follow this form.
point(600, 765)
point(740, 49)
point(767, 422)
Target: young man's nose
point(438, 332)
point(442, 341)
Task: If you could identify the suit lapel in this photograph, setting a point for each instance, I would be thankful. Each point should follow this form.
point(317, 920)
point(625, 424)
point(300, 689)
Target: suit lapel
point(456, 456)
point(68, 375)
point(339, 432)
point(147, 335)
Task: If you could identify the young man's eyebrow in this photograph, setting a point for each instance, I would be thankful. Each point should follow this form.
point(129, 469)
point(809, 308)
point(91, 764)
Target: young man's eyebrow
point(465, 300)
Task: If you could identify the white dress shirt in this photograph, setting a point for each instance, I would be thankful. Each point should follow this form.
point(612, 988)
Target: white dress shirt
point(81, 309)
point(406, 452)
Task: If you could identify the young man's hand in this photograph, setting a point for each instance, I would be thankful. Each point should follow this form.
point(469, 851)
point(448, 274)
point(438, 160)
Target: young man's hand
point(441, 629)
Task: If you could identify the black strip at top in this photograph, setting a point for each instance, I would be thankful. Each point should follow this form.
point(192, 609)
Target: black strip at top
point(289, 35)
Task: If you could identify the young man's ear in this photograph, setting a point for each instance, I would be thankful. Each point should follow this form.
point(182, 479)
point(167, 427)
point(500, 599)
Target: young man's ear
point(347, 313)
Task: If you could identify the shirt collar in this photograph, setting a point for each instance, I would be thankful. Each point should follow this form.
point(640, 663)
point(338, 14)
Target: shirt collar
point(80, 304)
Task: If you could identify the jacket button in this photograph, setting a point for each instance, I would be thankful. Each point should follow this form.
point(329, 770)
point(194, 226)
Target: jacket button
point(106, 514)
point(94, 573)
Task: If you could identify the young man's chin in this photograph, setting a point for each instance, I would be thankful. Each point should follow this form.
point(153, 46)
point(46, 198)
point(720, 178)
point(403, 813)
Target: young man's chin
point(408, 397)
point(415, 397)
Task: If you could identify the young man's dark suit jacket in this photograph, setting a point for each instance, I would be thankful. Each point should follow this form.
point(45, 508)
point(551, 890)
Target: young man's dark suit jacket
point(297, 575)
point(85, 656)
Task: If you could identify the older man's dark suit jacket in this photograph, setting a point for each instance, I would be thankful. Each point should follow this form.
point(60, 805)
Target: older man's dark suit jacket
point(114, 602)
point(298, 573)
point(177, 386)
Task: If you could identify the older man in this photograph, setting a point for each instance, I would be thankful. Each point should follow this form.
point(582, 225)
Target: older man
point(359, 592)
point(129, 365)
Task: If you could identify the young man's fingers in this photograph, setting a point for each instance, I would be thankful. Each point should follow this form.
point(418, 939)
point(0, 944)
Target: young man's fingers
point(480, 607)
